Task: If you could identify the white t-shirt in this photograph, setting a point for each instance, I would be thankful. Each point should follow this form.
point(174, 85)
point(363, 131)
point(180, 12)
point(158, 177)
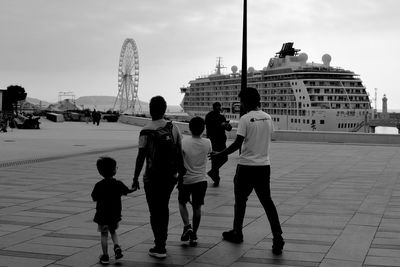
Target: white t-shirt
point(256, 127)
point(195, 151)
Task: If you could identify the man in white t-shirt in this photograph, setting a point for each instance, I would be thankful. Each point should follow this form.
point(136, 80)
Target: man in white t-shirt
point(195, 150)
point(253, 169)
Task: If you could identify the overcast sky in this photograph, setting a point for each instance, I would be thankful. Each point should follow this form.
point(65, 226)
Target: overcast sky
point(48, 46)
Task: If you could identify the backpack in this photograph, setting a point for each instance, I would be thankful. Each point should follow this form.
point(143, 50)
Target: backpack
point(164, 156)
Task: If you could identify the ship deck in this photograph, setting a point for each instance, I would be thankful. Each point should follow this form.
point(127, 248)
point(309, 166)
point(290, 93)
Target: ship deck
point(339, 204)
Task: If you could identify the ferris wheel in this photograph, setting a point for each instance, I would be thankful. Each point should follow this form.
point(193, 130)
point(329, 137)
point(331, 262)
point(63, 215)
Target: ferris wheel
point(128, 77)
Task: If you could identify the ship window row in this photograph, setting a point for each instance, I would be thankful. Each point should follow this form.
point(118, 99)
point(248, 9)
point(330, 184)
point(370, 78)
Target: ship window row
point(336, 91)
point(328, 105)
point(334, 83)
point(348, 125)
point(305, 121)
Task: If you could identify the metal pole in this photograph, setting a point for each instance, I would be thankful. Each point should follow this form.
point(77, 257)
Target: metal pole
point(244, 53)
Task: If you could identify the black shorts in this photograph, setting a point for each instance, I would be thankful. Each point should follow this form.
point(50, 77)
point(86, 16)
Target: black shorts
point(196, 190)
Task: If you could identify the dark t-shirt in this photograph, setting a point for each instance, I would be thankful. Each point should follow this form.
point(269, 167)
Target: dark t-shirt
point(215, 130)
point(107, 194)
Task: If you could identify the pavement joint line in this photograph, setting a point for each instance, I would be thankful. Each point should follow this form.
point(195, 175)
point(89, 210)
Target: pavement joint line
point(14, 163)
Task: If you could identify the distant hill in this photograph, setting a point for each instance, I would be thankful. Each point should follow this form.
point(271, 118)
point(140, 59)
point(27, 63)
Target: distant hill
point(37, 102)
point(103, 103)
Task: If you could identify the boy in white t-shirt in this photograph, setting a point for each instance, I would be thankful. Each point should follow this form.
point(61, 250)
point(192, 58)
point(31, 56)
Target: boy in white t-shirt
point(195, 150)
point(253, 169)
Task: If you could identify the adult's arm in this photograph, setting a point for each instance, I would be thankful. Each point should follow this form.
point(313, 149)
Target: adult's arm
point(141, 157)
point(230, 149)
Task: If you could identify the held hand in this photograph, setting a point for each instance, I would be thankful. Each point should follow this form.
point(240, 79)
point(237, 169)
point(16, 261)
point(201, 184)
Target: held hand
point(213, 155)
point(135, 185)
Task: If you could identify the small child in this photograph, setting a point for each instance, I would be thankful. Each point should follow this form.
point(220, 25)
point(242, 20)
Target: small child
point(194, 183)
point(107, 194)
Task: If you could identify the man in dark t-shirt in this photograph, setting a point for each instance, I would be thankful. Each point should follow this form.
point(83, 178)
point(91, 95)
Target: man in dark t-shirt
point(216, 125)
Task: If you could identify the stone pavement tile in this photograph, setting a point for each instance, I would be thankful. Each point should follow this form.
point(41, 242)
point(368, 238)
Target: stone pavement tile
point(68, 242)
point(339, 263)
point(296, 246)
point(381, 261)
point(142, 259)
point(253, 264)
point(334, 221)
point(20, 261)
point(386, 242)
point(225, 253)
point(366, 219)
point(84, 258)
point(305, 229)
point(395, 253)
point(311, 257)
point(20, 236)
point(44, 249)
point(382, 234)
point(353, 244)
point(11, 227)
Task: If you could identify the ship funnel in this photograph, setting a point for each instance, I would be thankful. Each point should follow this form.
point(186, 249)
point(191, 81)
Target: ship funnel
point(234, 69)
point(326, 59)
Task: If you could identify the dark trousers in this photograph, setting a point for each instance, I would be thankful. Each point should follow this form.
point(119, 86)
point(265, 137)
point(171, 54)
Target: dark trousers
point(157, 196)
point(246, 179)
point(217, 163)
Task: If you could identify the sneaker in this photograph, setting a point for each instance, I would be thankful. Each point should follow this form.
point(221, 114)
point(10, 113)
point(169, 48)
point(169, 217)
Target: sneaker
point(118, 252)
point(193, 240)
point(233, 236)
point(187, 232)
point(277, 245)
point(159, 253)
point(104, 259)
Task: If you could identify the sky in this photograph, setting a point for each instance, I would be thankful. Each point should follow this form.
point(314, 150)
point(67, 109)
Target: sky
point(52, 46)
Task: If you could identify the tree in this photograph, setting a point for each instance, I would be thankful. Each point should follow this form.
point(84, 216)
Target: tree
point(14, 94)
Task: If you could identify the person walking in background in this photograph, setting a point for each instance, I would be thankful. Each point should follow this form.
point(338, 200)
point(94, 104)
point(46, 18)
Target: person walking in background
point(253, 170)
point(160, 146)
point(107, 194)
point(193, 184)
point(216, 125)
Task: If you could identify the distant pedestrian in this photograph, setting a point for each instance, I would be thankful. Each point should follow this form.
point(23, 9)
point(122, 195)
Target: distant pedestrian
point(193, 185)
point(107, 194)
point(160, 146)
point(96, 116)
point(216, 125)
point(253, 170)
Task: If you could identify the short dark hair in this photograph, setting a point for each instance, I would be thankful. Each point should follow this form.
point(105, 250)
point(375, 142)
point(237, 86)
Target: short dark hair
point(106, 166)
point(158, 106)
point(196, 125)
point(250, 97)
point(216, 104)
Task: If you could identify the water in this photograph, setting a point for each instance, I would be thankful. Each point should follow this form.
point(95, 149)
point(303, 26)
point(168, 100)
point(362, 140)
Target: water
point(386, 130)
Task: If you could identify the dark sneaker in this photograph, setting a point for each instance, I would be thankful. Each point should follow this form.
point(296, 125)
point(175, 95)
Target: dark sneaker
point(187, 231)
point(193, 240)
point(159, 253)
point(104, 259)
point(277, 245)
point(118, 252)
point(233, 236)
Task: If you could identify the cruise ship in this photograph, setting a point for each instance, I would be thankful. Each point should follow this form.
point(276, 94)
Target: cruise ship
point(299, 95)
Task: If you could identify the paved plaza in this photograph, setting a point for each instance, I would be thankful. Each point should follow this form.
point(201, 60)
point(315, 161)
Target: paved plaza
point(339, 204)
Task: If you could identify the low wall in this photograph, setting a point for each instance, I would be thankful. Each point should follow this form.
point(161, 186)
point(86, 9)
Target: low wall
point(55, 117)
point(296, 136)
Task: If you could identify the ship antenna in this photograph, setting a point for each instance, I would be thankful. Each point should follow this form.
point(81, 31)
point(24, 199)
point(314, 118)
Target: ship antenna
point(219, 66)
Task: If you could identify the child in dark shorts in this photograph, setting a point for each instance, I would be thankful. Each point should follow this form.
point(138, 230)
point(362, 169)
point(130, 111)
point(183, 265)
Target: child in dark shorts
point(194, 183)
point(107, 194)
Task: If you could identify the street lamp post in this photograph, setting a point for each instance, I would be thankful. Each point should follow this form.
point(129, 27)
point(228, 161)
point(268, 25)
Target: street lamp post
point(244, 53)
